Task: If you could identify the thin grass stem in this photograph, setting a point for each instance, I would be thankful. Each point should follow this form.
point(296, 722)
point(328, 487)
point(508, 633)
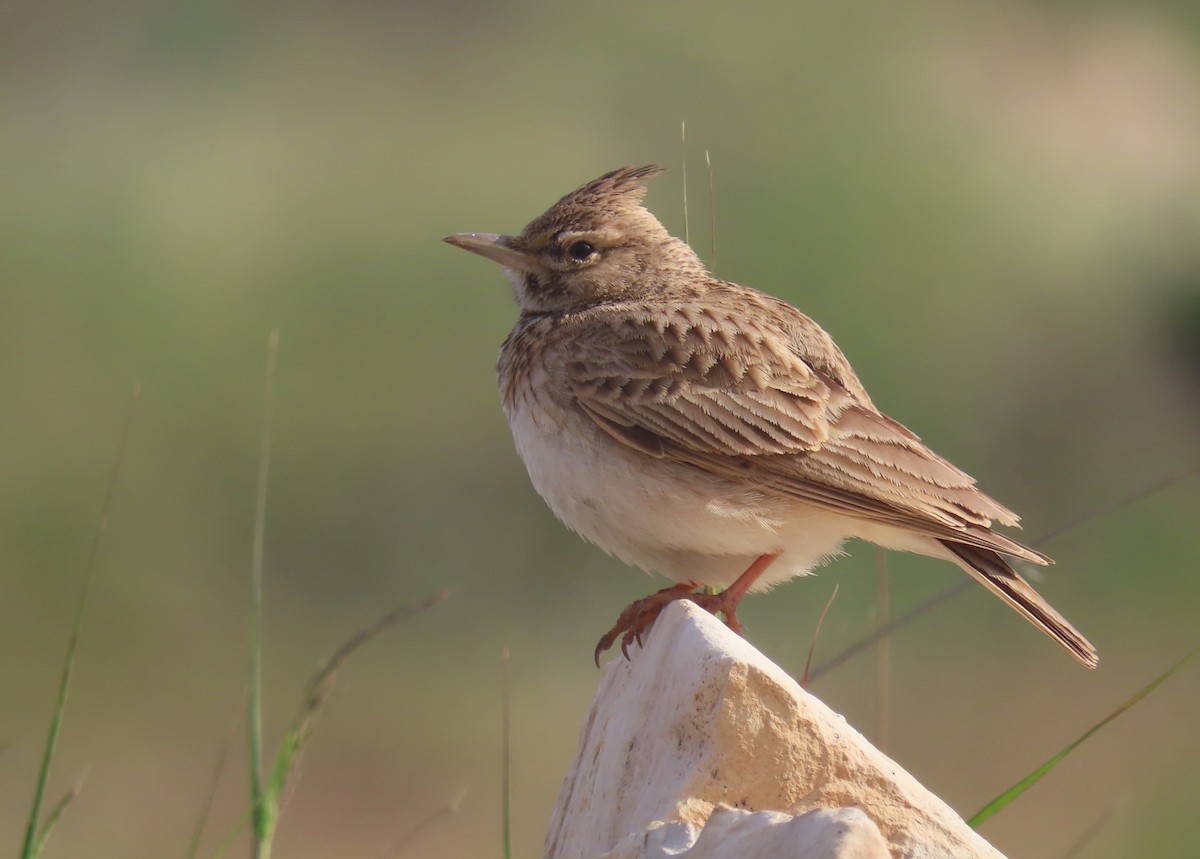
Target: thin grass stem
point(449, 809)
point(864, 643)
point(963, 585)
point(214, 779)
point(812, 647)
point(1120, 503)
point(55, 813)
point(262, 813)
point(883, 714)
point(712, 210)
point(300, 731)
point(505, 757)
point(1076, 849)
point(1034, 777)
point(35, 835)
point(321, 684)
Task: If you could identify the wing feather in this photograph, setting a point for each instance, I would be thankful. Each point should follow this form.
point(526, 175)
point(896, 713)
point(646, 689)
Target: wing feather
point(749, 400)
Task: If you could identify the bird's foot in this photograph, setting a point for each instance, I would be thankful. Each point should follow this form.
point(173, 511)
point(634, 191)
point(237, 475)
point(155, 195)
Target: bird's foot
point(725, 603)
point(638, 616)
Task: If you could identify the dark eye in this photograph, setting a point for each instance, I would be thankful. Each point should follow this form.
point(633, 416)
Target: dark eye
point(581, 250)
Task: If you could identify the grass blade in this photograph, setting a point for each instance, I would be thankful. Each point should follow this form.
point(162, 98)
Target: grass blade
point(683, 170)
point(266, 796)
point(35, 835)
point(812, 647)
point(883, 676)
point(52, 818)
point(319, 686)
point(1103, 821)
point(880, 632)
point(1024, 784)
point(505, 761)
point(964, 585)
point(712, 211)
point(234, 832)
point(262, 811)
point(449, 809)
point(214, 780)
point(1122, 502)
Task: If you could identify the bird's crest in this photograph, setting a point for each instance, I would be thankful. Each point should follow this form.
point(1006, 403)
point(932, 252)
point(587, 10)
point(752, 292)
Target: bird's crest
point(619, 192)
point(623, 184)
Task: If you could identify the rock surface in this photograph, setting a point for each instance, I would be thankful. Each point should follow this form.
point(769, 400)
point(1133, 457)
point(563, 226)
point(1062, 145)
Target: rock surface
point(700, 747)
point(846, 833)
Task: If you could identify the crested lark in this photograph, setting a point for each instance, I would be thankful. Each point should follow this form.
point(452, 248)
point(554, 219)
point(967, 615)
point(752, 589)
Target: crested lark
point(710, 432)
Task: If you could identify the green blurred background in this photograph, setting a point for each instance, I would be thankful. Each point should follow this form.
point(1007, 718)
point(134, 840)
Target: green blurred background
point(1006, 194)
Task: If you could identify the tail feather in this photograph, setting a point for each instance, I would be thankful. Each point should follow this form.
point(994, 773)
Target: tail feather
point(994, 572)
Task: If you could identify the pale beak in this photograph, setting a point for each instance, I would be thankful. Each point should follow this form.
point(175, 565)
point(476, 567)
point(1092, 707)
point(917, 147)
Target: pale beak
point(494, 247)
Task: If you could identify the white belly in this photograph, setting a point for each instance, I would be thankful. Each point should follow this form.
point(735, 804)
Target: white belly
point(664, 516)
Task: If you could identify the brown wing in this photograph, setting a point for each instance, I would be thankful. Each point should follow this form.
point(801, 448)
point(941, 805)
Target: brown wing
point(696, 385)
point(738, 398)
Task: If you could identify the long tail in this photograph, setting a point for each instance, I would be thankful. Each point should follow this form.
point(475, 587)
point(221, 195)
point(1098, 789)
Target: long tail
point(1000, 578)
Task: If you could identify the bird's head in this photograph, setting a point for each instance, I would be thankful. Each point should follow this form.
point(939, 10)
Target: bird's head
point(596, 244)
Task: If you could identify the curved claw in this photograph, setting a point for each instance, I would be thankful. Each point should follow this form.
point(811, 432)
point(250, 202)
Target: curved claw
point(638, 616)
point(625, 644)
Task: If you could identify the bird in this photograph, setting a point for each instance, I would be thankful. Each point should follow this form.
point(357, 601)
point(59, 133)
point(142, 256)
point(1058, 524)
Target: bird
point(710, 432)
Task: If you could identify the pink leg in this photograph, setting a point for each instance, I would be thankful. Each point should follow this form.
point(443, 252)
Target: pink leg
point(726, 602)
point(640, 614)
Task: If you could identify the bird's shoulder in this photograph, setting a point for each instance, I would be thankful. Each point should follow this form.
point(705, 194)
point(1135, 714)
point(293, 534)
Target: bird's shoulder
point(715, 333)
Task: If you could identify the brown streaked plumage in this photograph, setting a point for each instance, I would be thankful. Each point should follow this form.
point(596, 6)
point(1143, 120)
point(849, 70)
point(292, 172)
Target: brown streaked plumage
point(708, 431)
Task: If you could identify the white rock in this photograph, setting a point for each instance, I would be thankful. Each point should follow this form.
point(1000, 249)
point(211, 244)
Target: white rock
point(699, 720)
point(846, 833)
